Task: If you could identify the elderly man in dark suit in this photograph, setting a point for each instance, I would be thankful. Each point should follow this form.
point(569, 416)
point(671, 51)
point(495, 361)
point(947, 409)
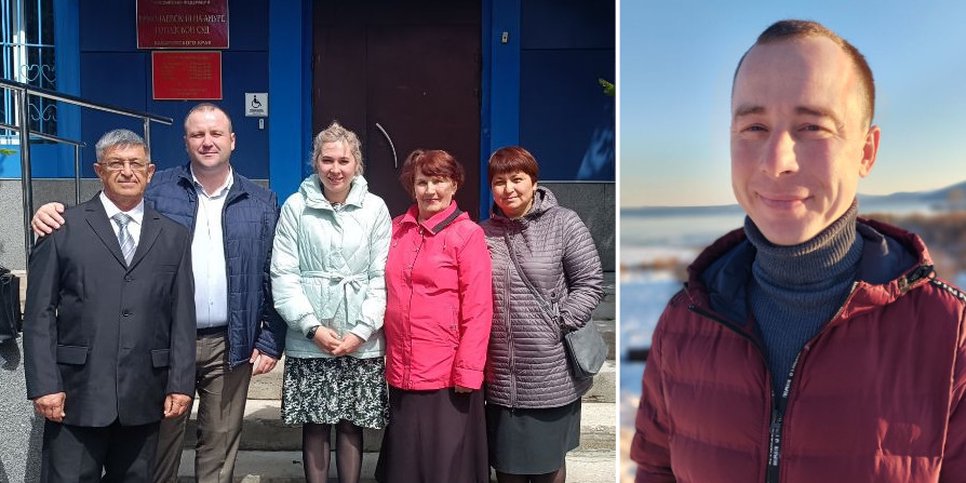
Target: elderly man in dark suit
point(109, 332)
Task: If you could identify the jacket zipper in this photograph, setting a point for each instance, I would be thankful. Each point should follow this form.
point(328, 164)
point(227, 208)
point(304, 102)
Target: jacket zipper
point(229, 199)
point(779, 402)
point(509, 327)
point(509, 340)
point(775, 427)
point(407, 328)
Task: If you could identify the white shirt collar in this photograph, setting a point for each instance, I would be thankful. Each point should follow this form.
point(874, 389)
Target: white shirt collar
point(222, 190)
point(136, 213)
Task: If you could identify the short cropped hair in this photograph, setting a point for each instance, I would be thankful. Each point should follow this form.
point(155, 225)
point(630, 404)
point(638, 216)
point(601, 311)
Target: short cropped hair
point(120, 138)
point(510, 159)
point(207, 107)
point(336, 133)
point(798, 29)
point(433, 162)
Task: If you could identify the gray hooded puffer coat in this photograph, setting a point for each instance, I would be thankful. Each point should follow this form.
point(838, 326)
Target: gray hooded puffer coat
point(527, 366)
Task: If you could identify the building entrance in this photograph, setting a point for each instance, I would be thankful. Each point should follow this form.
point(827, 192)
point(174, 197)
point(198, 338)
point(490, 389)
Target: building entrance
point(403, 75)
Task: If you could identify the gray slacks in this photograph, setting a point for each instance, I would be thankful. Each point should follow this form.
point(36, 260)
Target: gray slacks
point(221, 397)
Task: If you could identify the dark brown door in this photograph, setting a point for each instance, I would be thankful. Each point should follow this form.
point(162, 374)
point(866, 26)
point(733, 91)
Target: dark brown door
point(411, 67)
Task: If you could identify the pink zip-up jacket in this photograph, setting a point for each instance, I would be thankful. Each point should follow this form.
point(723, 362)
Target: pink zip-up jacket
point(439, 302)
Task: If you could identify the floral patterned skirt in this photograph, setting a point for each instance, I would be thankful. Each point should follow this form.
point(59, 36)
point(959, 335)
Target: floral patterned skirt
point(328, 390)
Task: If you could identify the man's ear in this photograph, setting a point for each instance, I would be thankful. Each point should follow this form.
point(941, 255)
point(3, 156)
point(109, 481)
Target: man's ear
point(869, 150)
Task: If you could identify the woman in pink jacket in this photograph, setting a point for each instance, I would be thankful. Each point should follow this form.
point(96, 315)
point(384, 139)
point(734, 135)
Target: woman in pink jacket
point(438, 315)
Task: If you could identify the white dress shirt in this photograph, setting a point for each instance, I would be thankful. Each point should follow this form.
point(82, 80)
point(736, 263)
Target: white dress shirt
point(208, 256)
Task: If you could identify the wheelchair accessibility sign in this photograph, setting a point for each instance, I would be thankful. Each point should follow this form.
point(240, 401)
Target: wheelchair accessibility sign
point(256, 104)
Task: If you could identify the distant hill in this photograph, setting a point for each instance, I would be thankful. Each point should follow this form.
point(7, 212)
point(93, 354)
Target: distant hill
point(950, 197)
point(942, 195)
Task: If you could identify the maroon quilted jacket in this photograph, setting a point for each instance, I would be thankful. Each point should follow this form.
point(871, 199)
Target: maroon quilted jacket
point(876, 396)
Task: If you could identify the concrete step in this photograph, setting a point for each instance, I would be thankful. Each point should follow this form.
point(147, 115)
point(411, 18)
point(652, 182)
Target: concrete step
point(604, 389)
point(269, 386)
point(263, 429)
point(595, 466)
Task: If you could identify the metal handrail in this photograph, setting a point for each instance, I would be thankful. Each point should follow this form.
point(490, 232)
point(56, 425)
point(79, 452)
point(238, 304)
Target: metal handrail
point(46, 137)
point(22, 91)
point(59, 140)
point(60, 96)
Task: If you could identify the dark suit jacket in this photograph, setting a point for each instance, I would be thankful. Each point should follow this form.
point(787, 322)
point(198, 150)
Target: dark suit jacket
point(117, 340)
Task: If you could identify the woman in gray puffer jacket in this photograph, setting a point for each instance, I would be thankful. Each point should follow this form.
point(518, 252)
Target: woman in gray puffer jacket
point(533, 398)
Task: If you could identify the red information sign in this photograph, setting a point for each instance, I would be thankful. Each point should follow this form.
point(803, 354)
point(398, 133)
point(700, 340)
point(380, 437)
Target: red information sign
point(186, 75)
point(182, 24)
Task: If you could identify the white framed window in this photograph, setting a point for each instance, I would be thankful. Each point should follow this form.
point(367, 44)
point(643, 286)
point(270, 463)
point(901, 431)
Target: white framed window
point(27, 55)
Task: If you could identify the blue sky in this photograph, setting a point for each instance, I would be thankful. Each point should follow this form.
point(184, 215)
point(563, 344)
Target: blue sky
point(676, 63)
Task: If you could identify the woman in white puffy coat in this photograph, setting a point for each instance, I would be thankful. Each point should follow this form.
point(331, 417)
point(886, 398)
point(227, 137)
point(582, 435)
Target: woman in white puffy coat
point(328, 267)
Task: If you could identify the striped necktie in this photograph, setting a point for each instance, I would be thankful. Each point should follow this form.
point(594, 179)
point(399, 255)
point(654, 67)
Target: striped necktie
point(124, 237)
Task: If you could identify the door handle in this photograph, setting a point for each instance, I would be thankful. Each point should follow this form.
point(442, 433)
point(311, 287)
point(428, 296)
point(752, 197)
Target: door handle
point(395, 159)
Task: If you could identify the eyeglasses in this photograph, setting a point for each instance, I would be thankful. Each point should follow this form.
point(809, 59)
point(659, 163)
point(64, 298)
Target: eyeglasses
point(115, 164)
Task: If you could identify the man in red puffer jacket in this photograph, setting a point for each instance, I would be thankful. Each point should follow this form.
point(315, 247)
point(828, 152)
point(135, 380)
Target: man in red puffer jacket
point(812, 345)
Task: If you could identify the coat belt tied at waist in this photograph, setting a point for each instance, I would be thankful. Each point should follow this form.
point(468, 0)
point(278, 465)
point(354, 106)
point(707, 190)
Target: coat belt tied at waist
point(331, 305)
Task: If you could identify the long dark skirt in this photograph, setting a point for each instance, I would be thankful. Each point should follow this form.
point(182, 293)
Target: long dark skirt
point(434, 436)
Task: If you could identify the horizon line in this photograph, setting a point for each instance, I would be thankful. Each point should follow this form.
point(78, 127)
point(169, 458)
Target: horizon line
point(735, 203)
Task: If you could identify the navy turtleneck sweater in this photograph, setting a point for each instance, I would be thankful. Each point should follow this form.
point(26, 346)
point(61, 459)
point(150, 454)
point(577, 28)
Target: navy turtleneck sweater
point(797, 289)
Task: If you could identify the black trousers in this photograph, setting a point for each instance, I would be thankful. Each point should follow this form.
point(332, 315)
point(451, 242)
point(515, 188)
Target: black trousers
point(76, 454)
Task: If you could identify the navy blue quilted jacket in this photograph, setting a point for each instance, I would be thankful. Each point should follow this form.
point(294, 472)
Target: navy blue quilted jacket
point(248, 220)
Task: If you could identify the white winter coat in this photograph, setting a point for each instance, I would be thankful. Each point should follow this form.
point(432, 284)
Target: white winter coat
point(328, 267)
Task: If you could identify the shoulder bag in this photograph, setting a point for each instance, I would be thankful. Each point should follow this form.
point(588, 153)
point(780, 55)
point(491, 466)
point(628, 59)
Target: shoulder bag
point(585, 346)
